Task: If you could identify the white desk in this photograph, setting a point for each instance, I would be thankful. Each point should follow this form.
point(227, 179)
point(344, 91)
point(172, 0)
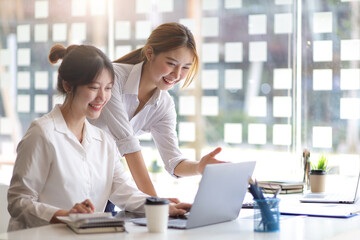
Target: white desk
point(291, 227)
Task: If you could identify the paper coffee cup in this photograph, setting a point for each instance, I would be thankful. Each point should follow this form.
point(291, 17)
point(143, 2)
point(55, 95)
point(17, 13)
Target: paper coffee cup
point(157, 213)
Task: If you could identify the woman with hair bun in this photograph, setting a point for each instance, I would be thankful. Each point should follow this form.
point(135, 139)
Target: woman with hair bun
point(141, 103)
point(65, 164)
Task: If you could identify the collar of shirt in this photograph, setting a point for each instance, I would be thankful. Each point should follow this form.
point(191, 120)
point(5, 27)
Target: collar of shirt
point(60, 126)
point(131, 86)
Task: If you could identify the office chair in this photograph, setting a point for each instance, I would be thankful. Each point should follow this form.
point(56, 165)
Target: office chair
point(4, 214)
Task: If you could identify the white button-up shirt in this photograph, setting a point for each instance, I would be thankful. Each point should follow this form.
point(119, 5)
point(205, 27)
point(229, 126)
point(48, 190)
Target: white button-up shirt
point(54, 171)
point(158, 117)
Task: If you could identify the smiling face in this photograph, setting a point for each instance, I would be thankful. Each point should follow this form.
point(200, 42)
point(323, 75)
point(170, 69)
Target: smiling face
point(90, 99)
point(168, 68)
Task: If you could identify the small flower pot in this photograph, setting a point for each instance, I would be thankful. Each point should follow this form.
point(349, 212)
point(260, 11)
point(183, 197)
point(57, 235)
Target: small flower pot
point(317, 181)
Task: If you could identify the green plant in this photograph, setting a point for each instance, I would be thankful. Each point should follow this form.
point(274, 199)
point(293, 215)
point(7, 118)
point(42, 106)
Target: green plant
point(322, 163)
point(154, 167)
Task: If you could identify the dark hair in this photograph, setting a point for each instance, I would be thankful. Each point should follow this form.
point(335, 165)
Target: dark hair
point(164, 38)
point(80, 65)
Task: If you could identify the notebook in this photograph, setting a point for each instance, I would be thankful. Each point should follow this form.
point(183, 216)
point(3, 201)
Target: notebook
point(219, 197)
point(320, 209)
point(93, 223)
point(340, 197)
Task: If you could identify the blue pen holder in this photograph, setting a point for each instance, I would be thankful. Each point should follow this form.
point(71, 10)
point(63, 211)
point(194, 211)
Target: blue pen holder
point(266, 215)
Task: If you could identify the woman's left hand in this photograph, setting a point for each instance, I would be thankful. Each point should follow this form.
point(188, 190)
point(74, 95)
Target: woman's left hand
point(209, 159)
point(179, 208)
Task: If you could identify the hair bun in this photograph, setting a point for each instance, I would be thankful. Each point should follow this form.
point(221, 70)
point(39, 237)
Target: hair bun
point(57, 52)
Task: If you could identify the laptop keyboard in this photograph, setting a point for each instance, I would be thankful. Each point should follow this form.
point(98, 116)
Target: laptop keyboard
point(177, 223)
point(332, 196)
point(185, 216)
point(248, 204)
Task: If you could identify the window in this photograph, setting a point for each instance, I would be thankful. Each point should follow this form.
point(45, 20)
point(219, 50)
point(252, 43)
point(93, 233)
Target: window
point(276, 77)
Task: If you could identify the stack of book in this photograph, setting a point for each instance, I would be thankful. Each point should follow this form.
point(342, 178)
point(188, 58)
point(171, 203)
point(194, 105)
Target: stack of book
point(284, 186)
point(93, 223)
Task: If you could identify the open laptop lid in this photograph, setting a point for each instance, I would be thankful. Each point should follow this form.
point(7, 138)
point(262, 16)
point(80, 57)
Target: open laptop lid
point(328, 197)
point(221, 192)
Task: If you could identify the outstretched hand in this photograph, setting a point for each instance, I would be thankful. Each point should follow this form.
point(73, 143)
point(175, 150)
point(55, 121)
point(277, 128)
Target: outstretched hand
point(209, 159)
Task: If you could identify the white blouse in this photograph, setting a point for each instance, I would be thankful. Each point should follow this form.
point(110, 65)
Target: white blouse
point(54, 171)
point(158, 117)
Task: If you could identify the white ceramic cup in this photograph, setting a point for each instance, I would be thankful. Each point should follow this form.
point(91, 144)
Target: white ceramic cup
point(157, 213)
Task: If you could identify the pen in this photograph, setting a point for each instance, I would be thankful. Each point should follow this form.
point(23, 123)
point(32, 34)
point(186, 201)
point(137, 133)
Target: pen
point(355, 212)
point(277, 192)
point(266, 214)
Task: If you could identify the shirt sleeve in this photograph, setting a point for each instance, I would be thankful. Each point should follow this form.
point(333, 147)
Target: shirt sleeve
point(165, 138)
point(117, 121)
point(125, 194)
point(31, 169)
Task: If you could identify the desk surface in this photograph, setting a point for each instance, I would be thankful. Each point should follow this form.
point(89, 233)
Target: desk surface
point(290, 226)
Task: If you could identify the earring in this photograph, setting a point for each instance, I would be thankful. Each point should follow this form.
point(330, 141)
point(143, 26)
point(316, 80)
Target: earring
point(67, 90)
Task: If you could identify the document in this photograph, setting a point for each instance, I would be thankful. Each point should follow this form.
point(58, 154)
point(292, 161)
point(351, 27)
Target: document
point(321, 210)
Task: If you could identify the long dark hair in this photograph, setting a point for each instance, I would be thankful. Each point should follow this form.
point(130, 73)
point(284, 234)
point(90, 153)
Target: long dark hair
point(164, 38)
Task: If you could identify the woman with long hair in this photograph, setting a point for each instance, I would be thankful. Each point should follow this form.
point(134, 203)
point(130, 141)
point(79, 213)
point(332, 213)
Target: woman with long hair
point(141, 102)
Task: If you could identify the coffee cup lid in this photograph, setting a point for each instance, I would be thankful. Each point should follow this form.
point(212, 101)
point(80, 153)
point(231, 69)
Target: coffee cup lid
point(156, 201)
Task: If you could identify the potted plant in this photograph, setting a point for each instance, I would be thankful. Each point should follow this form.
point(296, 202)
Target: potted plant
point(154, 168)
point(318, 174)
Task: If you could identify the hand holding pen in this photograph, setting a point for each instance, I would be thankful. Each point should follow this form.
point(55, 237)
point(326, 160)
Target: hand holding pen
point(84, 207)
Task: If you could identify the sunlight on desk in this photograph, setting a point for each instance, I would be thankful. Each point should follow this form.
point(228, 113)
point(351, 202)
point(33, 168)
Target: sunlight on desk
point(299, 228)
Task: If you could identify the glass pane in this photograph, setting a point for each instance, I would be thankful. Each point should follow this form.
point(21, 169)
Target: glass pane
point(257, 24)
point(233, 133)
point(330, 81)
point(78, 33)
point(78, 8)
point(187, 105)
point(41, 33)
point(210, 79)
point(24, 57)
point(323, 22)
point(282, 134)
point(283, 23)
point(233, 52)
point(59, 32)
point(210, 27)
point(187, 131)
point(41, 9)
point(257, 134)
point(122, 30)
point(233, 4)
point(23, 33)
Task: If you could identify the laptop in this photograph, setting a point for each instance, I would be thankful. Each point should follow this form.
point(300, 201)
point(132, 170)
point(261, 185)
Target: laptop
point(219, 197)
point(347, 198)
